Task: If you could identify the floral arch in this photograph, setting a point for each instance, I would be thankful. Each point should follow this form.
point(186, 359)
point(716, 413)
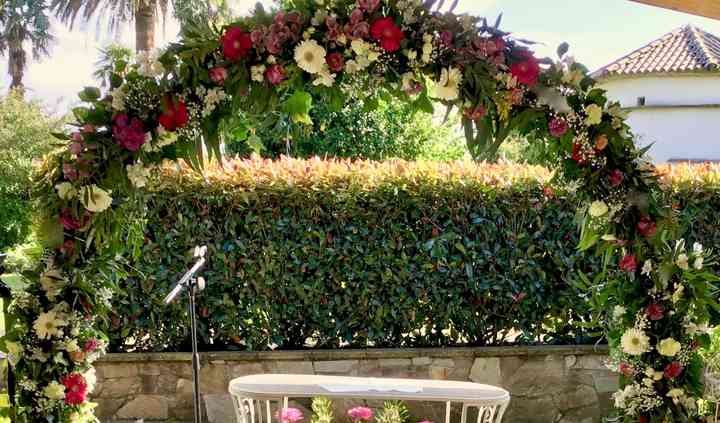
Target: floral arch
point(653, 294)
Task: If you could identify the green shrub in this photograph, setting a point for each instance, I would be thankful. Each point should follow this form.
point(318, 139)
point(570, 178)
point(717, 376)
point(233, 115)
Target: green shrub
point(338, 254)
point(24, 136)
point(392, 130)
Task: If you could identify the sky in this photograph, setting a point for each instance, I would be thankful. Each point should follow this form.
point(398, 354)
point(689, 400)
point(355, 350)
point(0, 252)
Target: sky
point(598, 31)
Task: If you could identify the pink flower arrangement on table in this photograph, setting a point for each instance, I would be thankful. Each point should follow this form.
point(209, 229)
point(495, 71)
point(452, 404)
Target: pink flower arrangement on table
point(289, 415)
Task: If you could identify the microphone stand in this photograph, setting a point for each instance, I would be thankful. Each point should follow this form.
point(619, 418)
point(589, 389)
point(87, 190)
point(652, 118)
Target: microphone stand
point(193, 285)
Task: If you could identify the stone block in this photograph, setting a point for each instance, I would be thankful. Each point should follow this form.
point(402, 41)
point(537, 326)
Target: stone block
point(605, 383)
point(219, 408)
point(121, 387)
point(579, 397)
point(340, 367)
point(245, 369)
point(293, 367)
point(439, 373)
point(592, 362)
point(117, 370)
point(394, 362)
point(213, 380)
point(443, 362)
point(151, 407)
point(421, 361)
point(570, 361)
point(486, 370)
point(538, 376)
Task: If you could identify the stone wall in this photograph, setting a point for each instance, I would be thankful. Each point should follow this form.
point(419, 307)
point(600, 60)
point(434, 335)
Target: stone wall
point(547, 384)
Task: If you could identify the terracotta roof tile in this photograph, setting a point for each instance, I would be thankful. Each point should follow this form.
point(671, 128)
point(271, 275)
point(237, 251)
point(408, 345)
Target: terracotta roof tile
point(686, 49)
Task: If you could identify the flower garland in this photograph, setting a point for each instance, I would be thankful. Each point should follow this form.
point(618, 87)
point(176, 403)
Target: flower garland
point(160, 106)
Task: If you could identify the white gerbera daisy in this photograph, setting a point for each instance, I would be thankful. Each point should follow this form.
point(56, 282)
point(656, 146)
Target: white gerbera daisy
point(635, 342)
point(310, 56)
point(95, 198)
point(48, 325)
point(448, 86)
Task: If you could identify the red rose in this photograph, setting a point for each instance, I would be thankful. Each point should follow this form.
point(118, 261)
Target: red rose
point(673, 370)
point(655, 311)
point(235, 43)
point(387, 33)
point(625, 369)
point(628, 264)
point(75, 388)
point(218, 75)
point(335, 61)
point(646, 227)
point(275, 74)
point(526, 70)
point(174, 114)
point(558, 127)
point(616, 177)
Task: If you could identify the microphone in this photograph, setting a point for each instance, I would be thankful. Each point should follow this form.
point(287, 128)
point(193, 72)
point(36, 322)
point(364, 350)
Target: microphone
point(200, 253)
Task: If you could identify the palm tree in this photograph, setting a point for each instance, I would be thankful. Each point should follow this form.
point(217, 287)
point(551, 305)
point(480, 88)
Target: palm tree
point(23, 22)
point(144, 14)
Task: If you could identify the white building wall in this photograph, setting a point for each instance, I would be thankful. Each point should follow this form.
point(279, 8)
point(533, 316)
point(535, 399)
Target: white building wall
point(678, 133)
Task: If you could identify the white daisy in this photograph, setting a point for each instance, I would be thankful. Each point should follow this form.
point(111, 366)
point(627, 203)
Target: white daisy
point(635, 342)
point(310, 56)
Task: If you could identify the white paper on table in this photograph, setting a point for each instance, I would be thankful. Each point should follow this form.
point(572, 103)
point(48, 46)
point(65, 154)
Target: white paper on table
point(368, 388)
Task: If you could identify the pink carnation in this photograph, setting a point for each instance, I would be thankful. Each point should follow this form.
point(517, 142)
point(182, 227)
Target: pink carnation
point(360, 413)
point(275, 74)
point(91, 345)
point(218, 75)
point(289, 415)
point(70, 172)
point(128, 133)
point(558, 127)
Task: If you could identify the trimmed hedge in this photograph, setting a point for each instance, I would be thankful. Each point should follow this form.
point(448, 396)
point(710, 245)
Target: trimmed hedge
point(338, 254)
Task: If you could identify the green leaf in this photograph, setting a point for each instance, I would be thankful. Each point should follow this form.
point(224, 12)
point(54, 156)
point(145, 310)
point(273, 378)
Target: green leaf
point(14, 281)
point(89, 94)
point(298, 107)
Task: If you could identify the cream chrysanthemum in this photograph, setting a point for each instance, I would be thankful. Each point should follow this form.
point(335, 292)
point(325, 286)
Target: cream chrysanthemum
point(66, 191)
point(48, 324)
point(594, 114)
point(635, 342)
point(669, 347)
point(54, 391)
point(598, 209)
point(310, 56)
point(448, 86)
point(95, 199)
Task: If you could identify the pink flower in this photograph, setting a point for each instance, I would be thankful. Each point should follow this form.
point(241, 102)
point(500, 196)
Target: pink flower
point(519, 297)
point(70, 172)
point(646, 227)
point(257, 36)
point(616, 178)
point(91, 345)
point(626, 369)
point(360, 30)
point(335, 61)
point(295, 18)
point(673, 370)
point(75, 389)
point(628, 264)
point(368, 6)
point(218, 75)
point(558, 127)
point(128, 133)
point(356, 16)
point(77, 137)
point(273, 43)
point(67, 219)
point(475, 113)
point(67, 248)
point(387, 33)
point(88, 128)
point(275, 74)
point(655, 311)
point(360, 413)
point(289, 415)
point(76, 148)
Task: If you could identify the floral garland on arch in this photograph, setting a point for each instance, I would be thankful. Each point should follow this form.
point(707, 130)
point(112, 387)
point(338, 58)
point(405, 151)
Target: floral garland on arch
point(653, 295)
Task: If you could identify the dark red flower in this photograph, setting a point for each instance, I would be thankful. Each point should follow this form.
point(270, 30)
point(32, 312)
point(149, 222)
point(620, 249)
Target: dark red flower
point(174, 114)
point(519, 297)
point(335, 61)
point(673, 370)
point(558, 127)
point(387, 33)
point(578, 155)
point(218, 75)
point(75, 388)
point(67, 219)
point(446, 38)
point(236, 43)
point(128, 133)
point(526, 70)
point(642, 419)
point(616, 177)
point(628, 264)
point(275, 74)
point(67, 248)
point(646, 227)
point(655, 311)
point(475, 113)
point(368, 5)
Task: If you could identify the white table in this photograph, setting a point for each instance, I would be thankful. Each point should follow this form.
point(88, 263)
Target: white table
point(253, 395)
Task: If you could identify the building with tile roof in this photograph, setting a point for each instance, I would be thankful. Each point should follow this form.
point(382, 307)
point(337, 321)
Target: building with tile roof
point(671, 87)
